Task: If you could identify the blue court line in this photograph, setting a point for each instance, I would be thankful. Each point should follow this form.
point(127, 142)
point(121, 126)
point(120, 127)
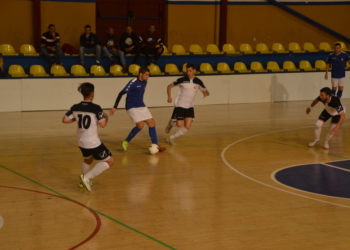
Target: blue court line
point(102, 214)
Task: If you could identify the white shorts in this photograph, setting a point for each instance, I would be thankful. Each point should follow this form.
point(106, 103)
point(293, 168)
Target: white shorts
point(139, 114)
point(338, 82)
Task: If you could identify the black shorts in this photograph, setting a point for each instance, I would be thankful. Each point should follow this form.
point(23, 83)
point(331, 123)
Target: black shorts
point(100, 153)
point(182, 113)
point(324, 116)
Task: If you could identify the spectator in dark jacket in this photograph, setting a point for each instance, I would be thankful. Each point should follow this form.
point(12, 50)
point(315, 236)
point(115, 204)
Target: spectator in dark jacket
point(129, 44)
point(151, 44)
point(110, 48)
point(50, 43)
point(90, 45)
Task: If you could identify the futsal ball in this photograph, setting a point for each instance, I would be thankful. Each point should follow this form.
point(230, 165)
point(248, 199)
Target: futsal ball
point(153, 149)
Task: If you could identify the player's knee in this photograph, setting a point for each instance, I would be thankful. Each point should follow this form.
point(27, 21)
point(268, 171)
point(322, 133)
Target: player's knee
point(140, 125)
point(179, 123)
point(187, 126)
point(110, 161)
point(319, 124)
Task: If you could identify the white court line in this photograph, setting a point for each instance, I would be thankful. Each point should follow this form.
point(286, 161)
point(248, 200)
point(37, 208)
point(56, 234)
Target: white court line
point(267, 185)
point(1, 222)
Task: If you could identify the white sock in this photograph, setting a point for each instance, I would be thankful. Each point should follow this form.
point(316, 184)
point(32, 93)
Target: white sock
point(85, 168)
point(173, 123)
point(180, 131)
point(318, 128)
point(98, 169)
point(329, 134)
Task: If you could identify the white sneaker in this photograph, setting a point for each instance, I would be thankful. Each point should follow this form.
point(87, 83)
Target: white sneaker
point(313, 143)
point(171, 140)
point(325, 145)
point(86, 182)
point(169, 127)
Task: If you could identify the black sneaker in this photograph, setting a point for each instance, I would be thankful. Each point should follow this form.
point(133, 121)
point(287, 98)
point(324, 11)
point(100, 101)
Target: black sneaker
point(98, 63)
point(59, 63)
point(148, 63)
point(82, 64)
point(112, 62)
point(155, 63)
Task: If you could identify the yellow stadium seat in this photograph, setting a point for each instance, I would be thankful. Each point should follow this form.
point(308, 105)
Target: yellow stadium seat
point(134, 69)
point(184, 69)
point(179, 50)
point(263, 49)
point(197, 49)
point(155, 70)
point(229, 49)
point(78, 70)
point(28, 50)
point(306, 66)
point(289, 66)
point(257, 67)
point(224, 68)
point(213, 49)
point(38, 71)
point(207, 68)
point(17, 71)
point(309, 47)
point(246, 49)
point(343, 46)
point(274, 67)
point(172, 69)
point(84, 54)
point(117, 70)
point(295, 48)
point(320, 65)
point(166, 51)
point(325, 46)
point(7, 50)
point(98, 70)
point(241, 68)
point(278, 48)
point(58, 70)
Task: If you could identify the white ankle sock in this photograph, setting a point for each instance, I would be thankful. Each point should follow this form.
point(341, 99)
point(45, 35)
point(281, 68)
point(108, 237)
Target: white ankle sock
point(85, 168)
point(329, 134)
point(98, 169)
point(180, 131)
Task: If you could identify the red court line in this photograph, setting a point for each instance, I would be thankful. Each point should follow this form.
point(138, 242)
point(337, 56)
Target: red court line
point(97, 217)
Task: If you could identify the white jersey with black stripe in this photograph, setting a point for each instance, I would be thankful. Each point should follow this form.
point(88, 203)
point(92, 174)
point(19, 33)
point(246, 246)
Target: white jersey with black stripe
point(187, 92)
point(87, 115)
point(334, 106)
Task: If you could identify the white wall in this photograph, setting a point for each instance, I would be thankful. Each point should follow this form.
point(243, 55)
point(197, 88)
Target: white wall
point(61, 93)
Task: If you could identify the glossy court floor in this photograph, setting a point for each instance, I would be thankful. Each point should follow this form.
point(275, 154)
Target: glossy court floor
point(223, 186)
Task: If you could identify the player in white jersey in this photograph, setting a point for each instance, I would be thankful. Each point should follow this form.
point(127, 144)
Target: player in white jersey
point(183, 113)
point(333, 108)
point(89, 116)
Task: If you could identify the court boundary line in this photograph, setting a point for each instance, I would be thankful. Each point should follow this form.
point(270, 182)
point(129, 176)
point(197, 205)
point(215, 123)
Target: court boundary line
point(96, 211)
point(265, 184)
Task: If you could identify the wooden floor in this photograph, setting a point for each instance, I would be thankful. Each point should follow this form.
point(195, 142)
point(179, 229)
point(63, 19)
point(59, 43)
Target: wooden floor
point(213, 190)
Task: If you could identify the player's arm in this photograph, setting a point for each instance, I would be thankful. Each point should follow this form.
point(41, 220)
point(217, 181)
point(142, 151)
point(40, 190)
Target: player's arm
point(169, 88)
point(119, 97)
point(103, 123)
point(205, 93)
point(66, 120)
point(327, 69)
point(308, 110)
point(337, 127)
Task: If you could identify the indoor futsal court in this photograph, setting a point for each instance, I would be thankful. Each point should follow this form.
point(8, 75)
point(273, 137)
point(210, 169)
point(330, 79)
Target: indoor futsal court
point(243, 177)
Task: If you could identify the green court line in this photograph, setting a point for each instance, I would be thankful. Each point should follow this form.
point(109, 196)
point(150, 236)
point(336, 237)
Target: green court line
point(121, 150)
point(308, 149)
point(102, 214)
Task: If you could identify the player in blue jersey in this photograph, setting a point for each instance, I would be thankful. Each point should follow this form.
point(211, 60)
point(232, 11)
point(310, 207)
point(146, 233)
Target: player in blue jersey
point(136, 108)
point(338, 61)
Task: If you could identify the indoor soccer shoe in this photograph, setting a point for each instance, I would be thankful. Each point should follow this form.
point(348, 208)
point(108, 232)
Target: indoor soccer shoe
point(325, 145)
point(171, 140)
point(169, 127)
point(161, 149)
point(313, 143)
point(81, 185)
point(86, 182)
point(125, 145)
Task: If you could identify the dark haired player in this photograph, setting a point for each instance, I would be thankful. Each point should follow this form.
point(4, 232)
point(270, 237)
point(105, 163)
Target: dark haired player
point(89, 116)
point(338, 61)
point(183, 113)
point(136, 108)
point(333, 108)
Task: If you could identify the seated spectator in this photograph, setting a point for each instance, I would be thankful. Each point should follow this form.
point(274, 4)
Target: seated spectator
point(50, 43)
point(90, 45)
point(129, 44)
point(151, 44)
point(109, 48)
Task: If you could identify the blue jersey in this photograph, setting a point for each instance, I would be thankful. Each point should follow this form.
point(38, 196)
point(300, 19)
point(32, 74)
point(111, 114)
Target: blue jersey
point(135, 89)
point(338, 63)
